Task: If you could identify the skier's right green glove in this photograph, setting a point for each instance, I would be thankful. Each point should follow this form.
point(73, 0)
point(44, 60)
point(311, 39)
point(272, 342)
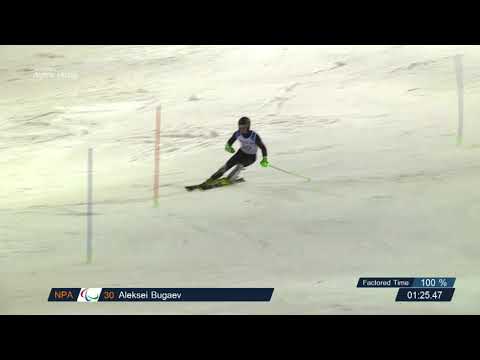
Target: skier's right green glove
point(229, 148)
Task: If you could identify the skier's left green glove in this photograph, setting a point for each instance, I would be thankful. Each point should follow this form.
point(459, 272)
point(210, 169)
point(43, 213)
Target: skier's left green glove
point(264, 162)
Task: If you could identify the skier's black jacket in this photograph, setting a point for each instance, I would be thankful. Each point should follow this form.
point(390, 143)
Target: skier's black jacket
point(258, 141)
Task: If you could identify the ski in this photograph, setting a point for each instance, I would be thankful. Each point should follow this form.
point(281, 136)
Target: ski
point(214, 184)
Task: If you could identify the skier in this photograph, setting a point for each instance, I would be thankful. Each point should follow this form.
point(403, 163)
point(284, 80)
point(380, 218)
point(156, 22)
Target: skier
point(246, 155)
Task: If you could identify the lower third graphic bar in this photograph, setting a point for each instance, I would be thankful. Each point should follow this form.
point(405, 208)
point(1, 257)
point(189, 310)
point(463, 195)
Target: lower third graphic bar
point(161, 294)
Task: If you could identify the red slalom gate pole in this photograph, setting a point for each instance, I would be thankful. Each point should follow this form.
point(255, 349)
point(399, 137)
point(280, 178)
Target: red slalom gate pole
point(156, 182)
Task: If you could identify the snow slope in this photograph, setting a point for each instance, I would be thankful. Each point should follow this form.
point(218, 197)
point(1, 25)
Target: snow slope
point(373, 126)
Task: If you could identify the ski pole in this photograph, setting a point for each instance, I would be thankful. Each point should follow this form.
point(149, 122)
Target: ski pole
point(288, 172)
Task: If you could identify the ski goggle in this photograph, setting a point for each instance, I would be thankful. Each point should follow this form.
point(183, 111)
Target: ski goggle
point(243, 126)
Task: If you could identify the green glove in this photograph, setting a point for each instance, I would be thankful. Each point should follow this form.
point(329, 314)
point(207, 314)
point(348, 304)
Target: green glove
point(229, 148)
point(264, 162)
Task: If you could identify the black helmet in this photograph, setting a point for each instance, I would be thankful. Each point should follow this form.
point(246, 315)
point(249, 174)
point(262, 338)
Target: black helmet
point(244, 121)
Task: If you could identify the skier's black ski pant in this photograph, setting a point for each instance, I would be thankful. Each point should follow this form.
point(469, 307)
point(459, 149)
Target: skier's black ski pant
point(240, 158)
